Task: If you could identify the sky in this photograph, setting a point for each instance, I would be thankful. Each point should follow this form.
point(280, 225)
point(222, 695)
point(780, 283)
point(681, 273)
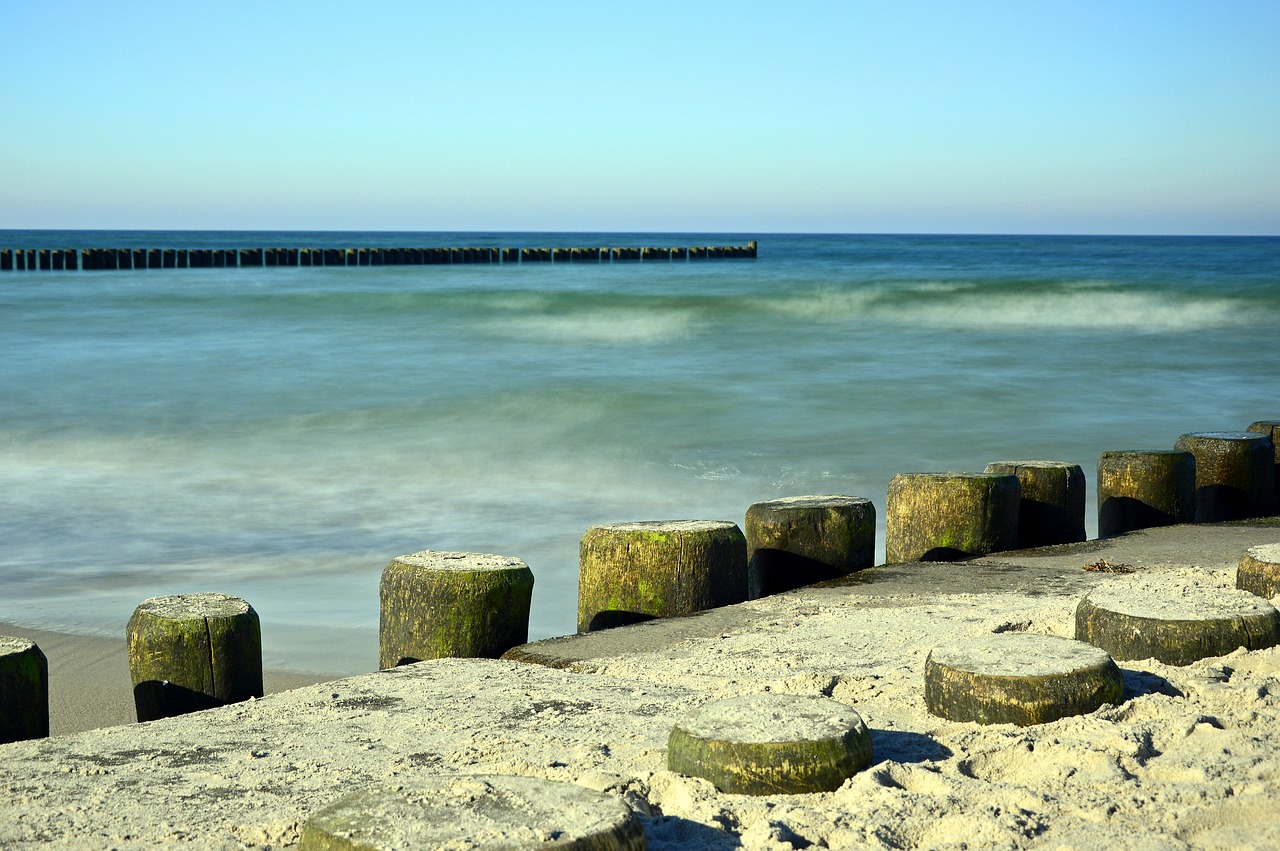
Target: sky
point(1123, 116)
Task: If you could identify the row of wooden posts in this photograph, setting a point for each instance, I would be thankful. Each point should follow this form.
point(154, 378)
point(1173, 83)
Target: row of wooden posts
point(62, 259)
point(191, 652)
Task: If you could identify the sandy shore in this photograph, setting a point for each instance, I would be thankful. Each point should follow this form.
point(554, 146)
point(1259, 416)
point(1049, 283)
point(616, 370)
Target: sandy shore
point(1187, 760)
point(89, 684)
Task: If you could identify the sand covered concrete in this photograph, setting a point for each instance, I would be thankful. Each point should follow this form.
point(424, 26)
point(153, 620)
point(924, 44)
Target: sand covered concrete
point(1187, 760)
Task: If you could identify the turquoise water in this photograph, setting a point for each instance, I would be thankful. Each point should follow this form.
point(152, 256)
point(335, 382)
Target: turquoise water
point(282, 433)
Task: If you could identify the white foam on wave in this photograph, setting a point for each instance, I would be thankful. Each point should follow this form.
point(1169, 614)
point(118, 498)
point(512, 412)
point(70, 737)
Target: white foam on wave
point(940, 305)
point(1081, 310)
point(599, 326)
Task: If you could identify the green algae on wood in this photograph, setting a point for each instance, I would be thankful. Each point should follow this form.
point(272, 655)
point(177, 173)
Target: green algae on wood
point(1051, 510)
point(1271, 428)
point(771, 744)
point(189, 652)
point(24, 690)
point(799, 540)
point(631, 572)
point(1144, 488)
point(1020, 679)
point(1175, 622)
point(950, 516)
point(1235, 473)
point(435, 605)
point(476, 812)
point(1259, 571)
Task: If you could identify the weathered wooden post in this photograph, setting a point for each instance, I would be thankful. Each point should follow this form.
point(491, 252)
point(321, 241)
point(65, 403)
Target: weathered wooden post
point(1259, 571)
point(24, 691)
point(631, 572)
point(950, 516)
point(189, 652)
point(1019, 678)
point(475, 811)
point(1142, 488)
point(771, 744)
point(799, 540)
point(1156, 617)
point(1235, 473)
point(439, 604)
point(1052, 506)
point(1271, 428)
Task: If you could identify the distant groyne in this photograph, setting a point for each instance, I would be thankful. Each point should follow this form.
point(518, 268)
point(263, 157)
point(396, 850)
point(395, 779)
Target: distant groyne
point(91, 259)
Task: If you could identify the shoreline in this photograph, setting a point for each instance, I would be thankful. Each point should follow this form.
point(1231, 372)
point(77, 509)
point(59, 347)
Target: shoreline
point(1185, 760)
point(90, 686)
point(89, 683)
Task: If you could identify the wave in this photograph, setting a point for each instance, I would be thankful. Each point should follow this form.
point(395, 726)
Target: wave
point(1081, 307)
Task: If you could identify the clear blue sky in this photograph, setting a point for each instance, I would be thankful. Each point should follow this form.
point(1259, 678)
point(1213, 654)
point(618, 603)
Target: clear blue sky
point(1026, 116)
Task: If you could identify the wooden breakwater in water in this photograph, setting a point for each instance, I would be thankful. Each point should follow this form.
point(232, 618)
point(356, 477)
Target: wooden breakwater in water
point(89, 259)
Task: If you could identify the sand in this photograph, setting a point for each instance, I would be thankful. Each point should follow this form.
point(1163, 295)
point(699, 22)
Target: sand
point(1187, 760)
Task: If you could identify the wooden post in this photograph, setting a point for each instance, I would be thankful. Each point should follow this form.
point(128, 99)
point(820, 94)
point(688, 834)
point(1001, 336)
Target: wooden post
point(1019, 678)
point(1052, 506)
point(476, 811)
point(24, 691)
point(1271, 428)
point(1155, 617)
point(799, 540)
point(1142, 488)
point(950, 516)
point(631, 572)
point(193, 651)
point(1259, 571)
point(1235, 473)
point(771, 744)
point(441, 604)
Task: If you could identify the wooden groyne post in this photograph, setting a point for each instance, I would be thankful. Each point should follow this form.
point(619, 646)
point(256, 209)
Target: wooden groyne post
point(435, 605)
point(94, 259)
point(189, 652)
point(24, 690)
point(631, 572)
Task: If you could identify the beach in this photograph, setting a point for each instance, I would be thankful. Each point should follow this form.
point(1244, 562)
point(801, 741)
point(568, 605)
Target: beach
point(281, 433)
point(1186, 760)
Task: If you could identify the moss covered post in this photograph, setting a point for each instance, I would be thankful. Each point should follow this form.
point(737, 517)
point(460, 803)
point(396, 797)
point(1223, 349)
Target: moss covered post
point(475, 811)
point(1235, 473)
point(189, 652)
point(447, 604)
point(1271, 428)
point(771, 744)
point(950, 516)
point(1142, 488)
point(799, 540)
point(630, 572)
point(1052, 506)
point(1149, 616)
point(1259, 571)
point(24, 691)
point(1021, 679)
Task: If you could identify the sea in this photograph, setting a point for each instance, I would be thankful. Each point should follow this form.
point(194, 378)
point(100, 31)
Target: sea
point(282, 433)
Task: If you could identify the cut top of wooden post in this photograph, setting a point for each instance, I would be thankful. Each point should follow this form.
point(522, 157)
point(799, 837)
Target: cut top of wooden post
point(475, 812)
point(435, 560)
point(188, 606)
point(763, 718)
point(9, 645)
point(662, 527)
point(1259, 571)
point(1174, 619)
point(1018, 655)
point(1158, 598)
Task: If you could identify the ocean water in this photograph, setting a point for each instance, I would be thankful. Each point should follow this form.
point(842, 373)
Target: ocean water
point(282, 433)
